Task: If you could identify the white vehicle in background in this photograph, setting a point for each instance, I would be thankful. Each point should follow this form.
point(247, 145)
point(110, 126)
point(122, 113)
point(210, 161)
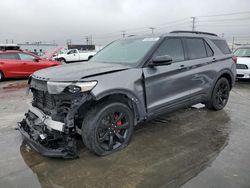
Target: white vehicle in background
point(74, 55)
point(243, 62)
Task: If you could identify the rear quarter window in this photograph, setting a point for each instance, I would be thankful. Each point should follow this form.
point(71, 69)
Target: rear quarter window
point(9, 56)
point(222, 45)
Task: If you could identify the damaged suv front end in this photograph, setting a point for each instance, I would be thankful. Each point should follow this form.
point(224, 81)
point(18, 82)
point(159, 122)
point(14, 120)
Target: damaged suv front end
point(49, 125)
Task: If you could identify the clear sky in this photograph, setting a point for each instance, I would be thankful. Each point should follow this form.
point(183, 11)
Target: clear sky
point(59, 20)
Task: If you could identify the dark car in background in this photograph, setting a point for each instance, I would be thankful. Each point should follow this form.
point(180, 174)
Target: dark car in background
point(129, 81)
point(19, 64)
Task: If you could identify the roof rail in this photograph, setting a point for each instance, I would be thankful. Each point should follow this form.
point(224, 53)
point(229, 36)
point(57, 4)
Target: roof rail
point(9, 47)
point(195, 32)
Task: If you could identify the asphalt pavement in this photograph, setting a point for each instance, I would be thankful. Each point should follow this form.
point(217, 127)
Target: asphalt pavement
point(191, 148)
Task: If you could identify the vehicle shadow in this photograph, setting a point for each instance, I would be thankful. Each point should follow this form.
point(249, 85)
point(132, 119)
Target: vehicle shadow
point(164, 152)
point(13, 84)
point(243, 81)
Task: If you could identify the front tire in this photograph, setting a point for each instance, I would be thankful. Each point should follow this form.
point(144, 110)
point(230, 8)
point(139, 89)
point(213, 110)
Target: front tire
point(1, 76)
point(108, 127)
point(220, 95)
point(62, 60)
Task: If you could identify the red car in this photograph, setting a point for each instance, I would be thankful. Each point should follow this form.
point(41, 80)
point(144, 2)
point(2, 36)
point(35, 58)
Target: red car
point(17, 63)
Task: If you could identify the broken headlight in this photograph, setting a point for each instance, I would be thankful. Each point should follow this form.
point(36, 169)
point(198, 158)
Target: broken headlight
point(59, 87)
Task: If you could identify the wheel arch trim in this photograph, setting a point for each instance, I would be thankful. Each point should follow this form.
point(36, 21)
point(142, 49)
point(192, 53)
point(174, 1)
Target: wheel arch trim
point(136, 101)
point(226, 72)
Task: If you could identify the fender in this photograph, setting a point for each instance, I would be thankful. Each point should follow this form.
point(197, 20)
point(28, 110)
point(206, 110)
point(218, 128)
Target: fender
point(220, 73)
point(226, 71)
point(137, 102)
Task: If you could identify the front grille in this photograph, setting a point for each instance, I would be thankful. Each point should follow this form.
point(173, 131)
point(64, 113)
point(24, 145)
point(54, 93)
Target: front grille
point(43, 100)
point(241, 66)
point(240, 75)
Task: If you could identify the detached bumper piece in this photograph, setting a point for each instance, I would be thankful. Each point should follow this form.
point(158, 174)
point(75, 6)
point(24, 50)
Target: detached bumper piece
point(43, 139)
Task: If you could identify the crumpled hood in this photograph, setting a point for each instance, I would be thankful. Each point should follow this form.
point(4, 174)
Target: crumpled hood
point(76, 71)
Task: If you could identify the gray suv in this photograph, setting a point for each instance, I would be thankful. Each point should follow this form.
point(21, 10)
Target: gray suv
point(129, 81)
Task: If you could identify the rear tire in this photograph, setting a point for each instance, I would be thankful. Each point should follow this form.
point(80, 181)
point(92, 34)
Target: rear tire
point(1, 76)
point(108, 127)
point(220, 95)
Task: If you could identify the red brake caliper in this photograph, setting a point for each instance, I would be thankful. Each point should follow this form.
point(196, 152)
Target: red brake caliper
point(119, 123)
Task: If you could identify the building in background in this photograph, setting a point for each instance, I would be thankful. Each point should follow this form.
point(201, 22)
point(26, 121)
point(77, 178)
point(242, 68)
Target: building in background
point(38, 48)
point(82, 47)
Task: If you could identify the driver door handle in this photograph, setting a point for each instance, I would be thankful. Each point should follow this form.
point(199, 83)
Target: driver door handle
point(1, 63)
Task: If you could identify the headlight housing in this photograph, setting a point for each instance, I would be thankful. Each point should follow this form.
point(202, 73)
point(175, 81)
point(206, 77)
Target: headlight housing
point(59, 87)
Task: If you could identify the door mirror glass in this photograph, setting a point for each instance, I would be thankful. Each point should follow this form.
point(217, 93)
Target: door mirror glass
point(161, 60)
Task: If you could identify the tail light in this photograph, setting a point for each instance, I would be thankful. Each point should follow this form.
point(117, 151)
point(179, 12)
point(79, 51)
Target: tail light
point(234, 58)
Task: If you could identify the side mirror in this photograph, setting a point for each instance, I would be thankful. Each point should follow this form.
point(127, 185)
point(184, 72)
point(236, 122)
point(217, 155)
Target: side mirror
point(36, 59)
point(161, 60)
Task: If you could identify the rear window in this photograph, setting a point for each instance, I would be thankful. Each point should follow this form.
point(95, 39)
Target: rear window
point(196, 48)
point(9, 56)
point(222, 45)
point(242, 52)
point(26, 57)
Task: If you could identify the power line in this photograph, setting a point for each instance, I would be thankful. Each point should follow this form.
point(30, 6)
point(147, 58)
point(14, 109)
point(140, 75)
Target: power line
point(180, 22)
point(143, 28)
point(226, 14)
point(236, 19)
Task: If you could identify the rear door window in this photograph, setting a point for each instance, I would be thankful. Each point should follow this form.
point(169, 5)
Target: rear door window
point(222, 45)
point(26, 57)
point(173, 48)
point(9, 56)
point(196, 48)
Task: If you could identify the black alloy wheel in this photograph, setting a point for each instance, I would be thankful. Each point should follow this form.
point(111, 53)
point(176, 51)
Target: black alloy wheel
point(108, 128)
point(220, 95)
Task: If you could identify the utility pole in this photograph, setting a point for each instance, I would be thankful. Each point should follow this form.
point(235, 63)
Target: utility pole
point(68, 41)
point(233, 44)
point(123, 33)
point(90, 39)
point(193, 23)
point(87, 40)
point(152, 29)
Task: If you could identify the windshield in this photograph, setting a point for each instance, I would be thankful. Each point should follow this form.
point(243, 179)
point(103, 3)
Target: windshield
point(129, 51)
point(242, 52)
